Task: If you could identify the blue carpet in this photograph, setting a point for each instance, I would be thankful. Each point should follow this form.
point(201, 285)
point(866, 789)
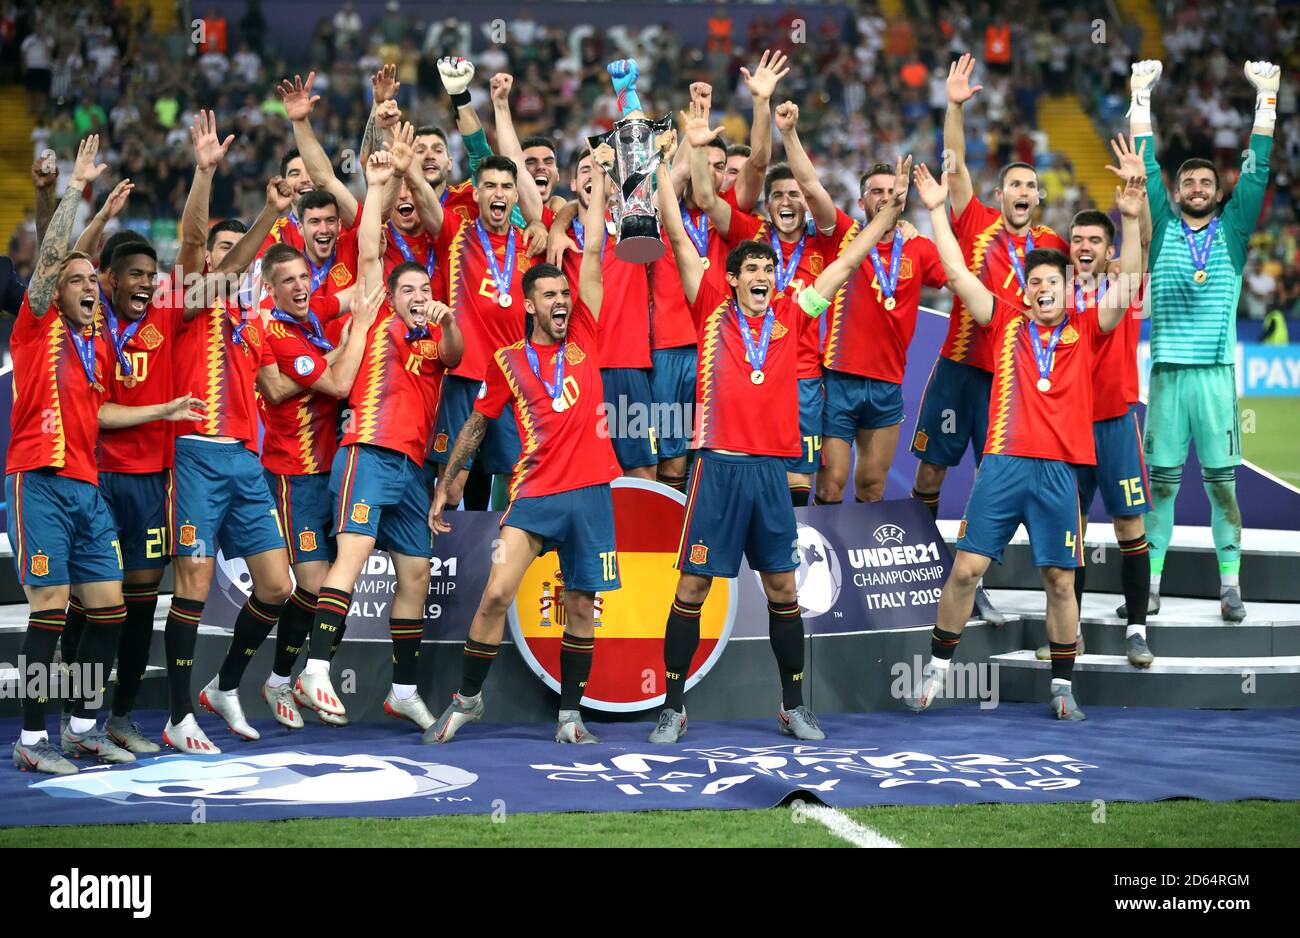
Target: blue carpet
point(959, 755)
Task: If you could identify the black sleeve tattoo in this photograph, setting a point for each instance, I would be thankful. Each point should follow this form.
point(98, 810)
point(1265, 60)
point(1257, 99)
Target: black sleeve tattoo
point(369, 138)
point(53, 248)
point(45, 205)
point(467, 444)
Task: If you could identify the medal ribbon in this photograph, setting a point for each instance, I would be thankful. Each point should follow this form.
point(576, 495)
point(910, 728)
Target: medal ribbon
point(1081, 298)
point(757, 354)
point(785, 271)
point(502, 280)
point(1016, 265)
point(430, 263)
point(699, 235)
point(311, 330)
point(118, 344)
point(556, 389)
point(85, 351)
point(889, 283)
point(1200, 253)
point(1043, 354)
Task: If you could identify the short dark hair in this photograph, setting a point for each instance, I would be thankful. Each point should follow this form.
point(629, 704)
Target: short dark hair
point(316, 198)
point(718, 143)
point(114, 240)
point(1049, 256)
point(405, 267)
point(774, 175)
point(877, 169)
point(578, 156)
point(500, 163)
point(278, 254)
point(1093, 217)
point(540, 272)
point(1002, 173)
point(129, 248)
point(285, 160)
point(428, 130)
point(738, 149)
point(747, 249)
point(230, 224)
point(1197, 162)
point(537, 140)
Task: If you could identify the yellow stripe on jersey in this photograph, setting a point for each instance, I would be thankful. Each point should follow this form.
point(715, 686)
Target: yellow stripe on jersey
point(835, 327)
point(523, 418)
point(997, 438)
point(216, 368)
point(455, 262)
point(59, 441)
point(367, 409)
point(306, 439)
point(709, 349)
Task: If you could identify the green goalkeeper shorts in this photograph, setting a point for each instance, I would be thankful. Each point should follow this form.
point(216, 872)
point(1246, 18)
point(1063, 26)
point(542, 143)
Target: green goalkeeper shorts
point(1192, 402)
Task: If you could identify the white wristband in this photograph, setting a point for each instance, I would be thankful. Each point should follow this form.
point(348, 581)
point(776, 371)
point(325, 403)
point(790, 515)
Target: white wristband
point(1265, 109)
point(1139, 108)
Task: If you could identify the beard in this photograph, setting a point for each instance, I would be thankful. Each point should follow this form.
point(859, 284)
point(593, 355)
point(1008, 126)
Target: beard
point(1199, 212)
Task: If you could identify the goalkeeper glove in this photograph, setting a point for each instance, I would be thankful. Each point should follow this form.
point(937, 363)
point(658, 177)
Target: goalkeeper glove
point(624, 74)
point(1145, 75)
point(456, 74)
point(1266, 77)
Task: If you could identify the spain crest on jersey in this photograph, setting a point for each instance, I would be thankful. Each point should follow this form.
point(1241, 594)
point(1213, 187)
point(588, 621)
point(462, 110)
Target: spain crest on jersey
point(253, 336)
point(188, 534)
point(306, 541)
point(816, 264)
point(150, 336)
point(360, 513)
point(40, 565)
point(1069, 336)
point(920, 441)
point(427, 348)
point(340, 274)
point(574, 355)
point(440, 443)
point(699, 554)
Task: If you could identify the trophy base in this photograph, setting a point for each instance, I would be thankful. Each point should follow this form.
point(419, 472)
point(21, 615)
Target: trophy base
point(638, 240)
point(639, 250)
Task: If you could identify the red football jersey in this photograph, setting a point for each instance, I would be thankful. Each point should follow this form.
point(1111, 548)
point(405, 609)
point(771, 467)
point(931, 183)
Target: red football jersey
point(472, 294)
point(337, 273)
point(818, 251)
point(624, 336)
point(395, 397)
point(419, 248)
point(221, 372)
point(1024, 421)
point(564, 450)
point(1114, 366)
point(301, 433)
point(55, 417)
point(285, 231)
point(731, 412)
point(717, 247)
point(150, 352)
point(862, 337)
point(671, 323)
point(984, 242)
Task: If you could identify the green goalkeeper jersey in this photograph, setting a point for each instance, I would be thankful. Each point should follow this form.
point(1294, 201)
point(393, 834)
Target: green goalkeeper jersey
point(1195, 323)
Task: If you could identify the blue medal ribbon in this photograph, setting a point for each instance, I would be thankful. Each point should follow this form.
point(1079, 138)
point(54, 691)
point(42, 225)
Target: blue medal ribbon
point(118, 343)
point(430, 263)
point(1016, 264)
point(312, 330)
point(553, 390)
point(785, 271)
point(889, 283)
point(237, 331)
point(1081, 298)
point(421, 332)
point(318, 273)
point(699, 234)
point(1043, 354)
point(581, 232)
point(757, 354)
point(85, 351)
point(500, 278)
point(1200, 252)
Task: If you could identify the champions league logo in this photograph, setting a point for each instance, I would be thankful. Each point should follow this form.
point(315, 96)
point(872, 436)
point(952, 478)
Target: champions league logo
point(282, 778)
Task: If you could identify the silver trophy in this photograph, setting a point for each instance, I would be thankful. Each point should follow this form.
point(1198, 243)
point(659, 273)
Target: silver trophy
point(635, 159)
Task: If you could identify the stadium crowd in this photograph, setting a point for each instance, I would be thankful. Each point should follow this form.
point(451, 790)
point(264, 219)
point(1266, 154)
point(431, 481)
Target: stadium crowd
point(869, 87)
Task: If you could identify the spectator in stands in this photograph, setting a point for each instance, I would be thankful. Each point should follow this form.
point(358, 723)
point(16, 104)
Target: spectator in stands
point(37, 52)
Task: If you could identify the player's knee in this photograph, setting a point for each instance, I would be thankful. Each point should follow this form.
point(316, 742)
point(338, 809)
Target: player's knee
point(966, 571)
point(1058, 583)
point(275, 591)
point(496, 599)
point(829, 489)
point(1165, 481)
point(693, 589)
point(780, 587)
point(929, 477)
point(870, 490)
point(193, 578)
point(1127, 528)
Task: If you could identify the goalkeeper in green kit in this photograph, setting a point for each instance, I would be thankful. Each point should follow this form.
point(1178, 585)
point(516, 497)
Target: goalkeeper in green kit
point(1196, 263)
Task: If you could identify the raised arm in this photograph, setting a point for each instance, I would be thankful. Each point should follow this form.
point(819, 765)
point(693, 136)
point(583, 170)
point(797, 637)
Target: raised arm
point(819, 200)
point(976, 296)
point(762, 84)
point(850, 259)
point(54, 247)
point(954, 132)
point(1114, 305)
point(695, 122)
point(203, 291)
point(209, 151)
point(701, 94)
point(591, 281)
point(298, 104)
point(92, 235)
point(45, 173)
point(383, 86)
point(557, 239)
point(1242, 212)
point(530, 200)
point(379, 176)
point(689, 265)
point(1132, 163)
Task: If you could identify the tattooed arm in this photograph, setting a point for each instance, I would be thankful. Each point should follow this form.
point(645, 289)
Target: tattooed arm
point(467, 444)
point(45, 173)
point(40, 291)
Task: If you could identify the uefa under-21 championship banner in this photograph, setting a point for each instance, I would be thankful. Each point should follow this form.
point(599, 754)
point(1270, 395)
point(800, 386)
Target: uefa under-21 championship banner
point(862, 567)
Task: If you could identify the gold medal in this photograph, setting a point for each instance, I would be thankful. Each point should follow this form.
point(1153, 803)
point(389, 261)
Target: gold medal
point(890, 302)
point(129, 381)
point(1200, 276)
point(704, 262)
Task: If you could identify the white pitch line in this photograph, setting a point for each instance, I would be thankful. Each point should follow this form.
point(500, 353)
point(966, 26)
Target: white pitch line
point(845, 828)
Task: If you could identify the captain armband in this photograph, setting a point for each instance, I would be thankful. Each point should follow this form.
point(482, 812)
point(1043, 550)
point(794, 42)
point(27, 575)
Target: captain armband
point(812, 302)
